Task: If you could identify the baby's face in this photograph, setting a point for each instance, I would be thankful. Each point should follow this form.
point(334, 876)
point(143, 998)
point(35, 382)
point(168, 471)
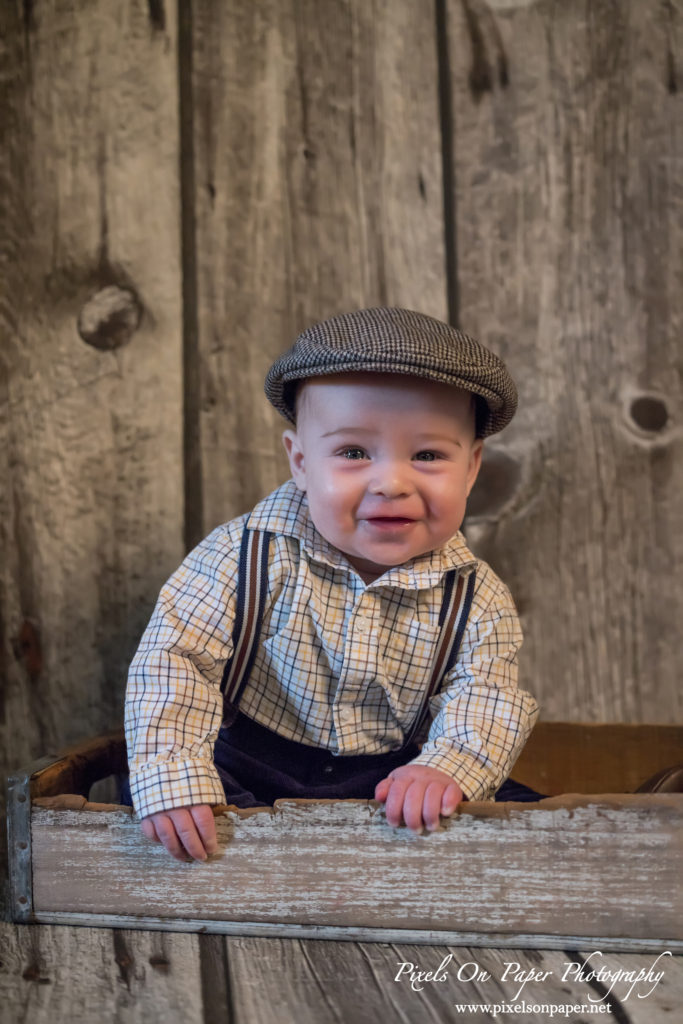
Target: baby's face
point(387, 462)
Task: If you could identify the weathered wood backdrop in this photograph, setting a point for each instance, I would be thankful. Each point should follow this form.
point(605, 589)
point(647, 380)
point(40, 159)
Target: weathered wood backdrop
point(183, 190)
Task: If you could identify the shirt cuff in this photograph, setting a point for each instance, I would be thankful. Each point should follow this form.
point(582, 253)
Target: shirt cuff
point(170, 784)
point(475, 782)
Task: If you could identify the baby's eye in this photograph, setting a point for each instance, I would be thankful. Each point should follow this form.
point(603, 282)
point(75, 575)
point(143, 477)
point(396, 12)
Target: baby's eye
point(427, 456)
point(353, 453)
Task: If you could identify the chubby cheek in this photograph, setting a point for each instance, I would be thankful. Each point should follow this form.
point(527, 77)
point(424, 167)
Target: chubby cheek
point(332, 506)
point(340, 491)
point(448, 511)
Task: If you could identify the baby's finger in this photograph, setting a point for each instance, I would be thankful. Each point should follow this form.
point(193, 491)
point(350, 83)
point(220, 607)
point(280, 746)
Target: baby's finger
point(188, 834)
point(148, 830)
point(452, 796)
point(413, 804)
point(431, 806)
point(166, 830)
point(394, 807)
point(381, 789)
point(205, 822)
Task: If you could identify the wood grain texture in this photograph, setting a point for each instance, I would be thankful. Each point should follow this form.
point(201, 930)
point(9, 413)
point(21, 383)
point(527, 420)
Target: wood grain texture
point(309, 983)
point(90, 421)
point(60, 974)
point(583, 757)
point(603, 865)
point(344, 933)
point(568, 143)
point(318, 190)
point(53, 975)
point(77, 768)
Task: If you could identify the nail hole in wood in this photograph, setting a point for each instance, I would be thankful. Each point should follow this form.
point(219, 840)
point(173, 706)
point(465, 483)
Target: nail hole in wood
point(160, 963)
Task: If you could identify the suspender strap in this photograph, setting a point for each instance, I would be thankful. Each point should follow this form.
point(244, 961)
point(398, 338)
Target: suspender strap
point(455, 609)
point(452, 637)
point(252, 587)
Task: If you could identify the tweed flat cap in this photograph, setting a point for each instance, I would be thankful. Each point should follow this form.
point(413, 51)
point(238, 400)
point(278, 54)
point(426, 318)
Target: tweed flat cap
point(393, 340)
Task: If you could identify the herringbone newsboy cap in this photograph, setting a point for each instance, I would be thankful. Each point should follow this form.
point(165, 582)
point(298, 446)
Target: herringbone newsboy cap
point(392, 340)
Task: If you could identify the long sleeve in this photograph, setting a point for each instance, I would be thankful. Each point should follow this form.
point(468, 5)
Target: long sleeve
point(173, 707)
point(481, 720)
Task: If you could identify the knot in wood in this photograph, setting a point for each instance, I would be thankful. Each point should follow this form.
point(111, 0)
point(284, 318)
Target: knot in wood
point(27, 648)
point(109, 318)
point(649, 413)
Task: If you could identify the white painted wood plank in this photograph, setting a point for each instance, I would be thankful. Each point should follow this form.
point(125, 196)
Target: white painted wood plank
point(593, 866)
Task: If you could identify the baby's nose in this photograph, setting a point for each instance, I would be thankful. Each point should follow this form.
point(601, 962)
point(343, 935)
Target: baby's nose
point(390, 479)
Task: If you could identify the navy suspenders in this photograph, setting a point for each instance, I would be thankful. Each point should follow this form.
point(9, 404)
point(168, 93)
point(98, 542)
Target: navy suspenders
point(455, 609)
point(252, 587)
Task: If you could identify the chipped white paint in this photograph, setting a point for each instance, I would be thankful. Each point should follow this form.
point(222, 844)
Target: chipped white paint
point(574, 865)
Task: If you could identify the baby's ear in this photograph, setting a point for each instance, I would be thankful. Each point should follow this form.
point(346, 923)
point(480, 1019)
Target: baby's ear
point(475, 463)
point(295, 454)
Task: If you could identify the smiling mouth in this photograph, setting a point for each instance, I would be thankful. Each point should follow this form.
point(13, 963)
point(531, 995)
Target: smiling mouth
point(390, 520)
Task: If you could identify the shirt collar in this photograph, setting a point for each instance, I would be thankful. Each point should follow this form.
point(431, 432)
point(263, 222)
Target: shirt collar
point(285, 511)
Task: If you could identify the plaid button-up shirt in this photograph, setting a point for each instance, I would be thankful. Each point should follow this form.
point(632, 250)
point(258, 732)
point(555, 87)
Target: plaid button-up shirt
point(341, 664)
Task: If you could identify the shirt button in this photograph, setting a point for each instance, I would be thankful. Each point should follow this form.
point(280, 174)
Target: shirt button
point(346, 714)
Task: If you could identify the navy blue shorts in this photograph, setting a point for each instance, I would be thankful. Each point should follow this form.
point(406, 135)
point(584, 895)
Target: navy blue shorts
point(256, 767)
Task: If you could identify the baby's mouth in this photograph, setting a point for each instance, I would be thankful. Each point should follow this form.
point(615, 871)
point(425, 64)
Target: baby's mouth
point(390, 519)
point(390, 522)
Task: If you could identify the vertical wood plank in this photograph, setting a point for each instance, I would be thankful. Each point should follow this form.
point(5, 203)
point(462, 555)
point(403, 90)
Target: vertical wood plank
point(568, 122)
point(215, 980)
point(311, 981)
point(55, 974)
point(91, 357)
point(81, 974)
point(318, 190)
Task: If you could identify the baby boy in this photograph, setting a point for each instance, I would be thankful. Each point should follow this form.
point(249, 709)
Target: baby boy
point(378, 627)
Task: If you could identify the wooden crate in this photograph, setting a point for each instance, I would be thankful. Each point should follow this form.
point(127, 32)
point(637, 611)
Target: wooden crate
point(594, 862)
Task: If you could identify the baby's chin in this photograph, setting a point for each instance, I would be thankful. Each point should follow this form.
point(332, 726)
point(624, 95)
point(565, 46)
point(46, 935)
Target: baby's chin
point(367, 566)
point(396, 552)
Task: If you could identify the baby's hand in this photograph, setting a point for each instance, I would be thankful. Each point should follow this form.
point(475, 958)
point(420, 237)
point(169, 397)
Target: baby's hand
point(186, 832)
point(420, 794)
